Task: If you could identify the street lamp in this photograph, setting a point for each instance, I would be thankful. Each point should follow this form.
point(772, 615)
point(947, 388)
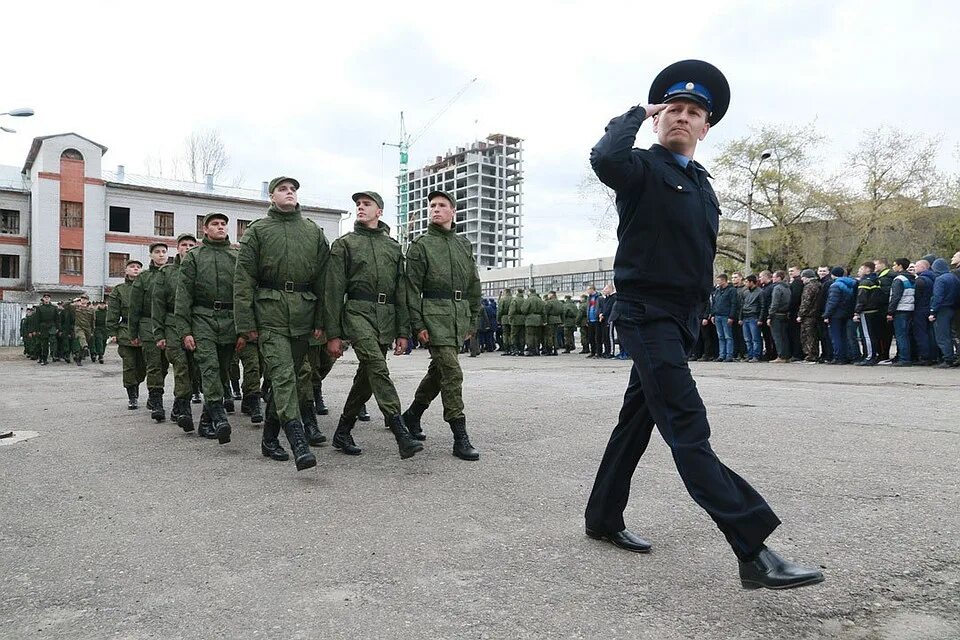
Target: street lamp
point(748, 257)
point(24, 112)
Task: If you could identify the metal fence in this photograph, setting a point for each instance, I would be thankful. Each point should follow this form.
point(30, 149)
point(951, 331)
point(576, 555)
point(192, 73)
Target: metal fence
point(10, 315)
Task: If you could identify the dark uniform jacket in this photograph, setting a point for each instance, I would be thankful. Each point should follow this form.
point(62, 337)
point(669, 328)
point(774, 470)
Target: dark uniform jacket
point(869, 295)
point(203, 304)
point(668, 219)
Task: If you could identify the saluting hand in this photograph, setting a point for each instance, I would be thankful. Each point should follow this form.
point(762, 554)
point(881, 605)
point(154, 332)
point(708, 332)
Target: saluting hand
point(653, 109)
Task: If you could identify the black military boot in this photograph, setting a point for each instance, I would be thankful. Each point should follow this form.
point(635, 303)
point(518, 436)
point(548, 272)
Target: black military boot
point(228, 405)
point(77, 359)
point(235, 387)
point(461, 441)
point(405, 442)
point(196, 397)
point(343, 439)
point(206, 429)
point(256, 411)
point(133, 394)
point(411, 417)
point(151, 399)
point(221, 427)
point(318, 402)
point(270, 445)
point(100, 359)
point(363, 416)
point(298, 442)
point(157, 411)
point(310, 427)
point(184, 419)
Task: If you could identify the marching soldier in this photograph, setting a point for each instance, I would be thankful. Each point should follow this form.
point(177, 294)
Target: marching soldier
point(278, 288)
point(27, 330)
point(316, 366)
point(166, 336)
point(553, 314)
point(365, 303)
point(99, 346)
point(570, 313)
point(204, 316)
point(117, 321)
point(533, 322)
point(141, 328)
point(85, 319)
point(46, 316)
point(517, 322)
point(503, 317)
point(443, 293)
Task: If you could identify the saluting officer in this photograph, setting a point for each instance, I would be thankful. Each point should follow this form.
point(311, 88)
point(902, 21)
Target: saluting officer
point(663, 273)
point(365, 303)
point(443, 292)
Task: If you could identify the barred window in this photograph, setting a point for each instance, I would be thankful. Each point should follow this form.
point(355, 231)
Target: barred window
point(118, 264)
point(162, 223)
point(71, 214)
point(71, 262)
point(9, 221)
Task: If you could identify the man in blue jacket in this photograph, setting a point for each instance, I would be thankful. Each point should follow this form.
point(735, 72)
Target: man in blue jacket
point(667, 233)
point(922, 329)
point(836, 313)
point(943, 304)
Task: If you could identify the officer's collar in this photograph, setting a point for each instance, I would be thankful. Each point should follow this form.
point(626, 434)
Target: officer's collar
point(667, 156)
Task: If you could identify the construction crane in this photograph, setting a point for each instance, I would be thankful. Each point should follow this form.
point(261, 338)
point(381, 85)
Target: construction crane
point(406, 141)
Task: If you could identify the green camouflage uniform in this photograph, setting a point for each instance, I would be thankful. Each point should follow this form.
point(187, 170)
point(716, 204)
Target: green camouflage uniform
point(141, 326)
point(533, 320)
point(163, 314)
point(443, 289)
point(99, 346)
point(503, 317)
point(582, 322)
point(47, 320)
point(84, 328)
point(118, 314)
point(517, 321)
point(278, 287)
point(365, 303)
point(204, 310)
point(570, 313)
point(553, 314)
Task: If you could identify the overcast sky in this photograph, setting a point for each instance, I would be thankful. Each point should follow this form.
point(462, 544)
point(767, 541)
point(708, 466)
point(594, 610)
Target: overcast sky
point(313, 89)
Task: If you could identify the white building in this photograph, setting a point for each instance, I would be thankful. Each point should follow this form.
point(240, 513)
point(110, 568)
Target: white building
point(67, 226)
point(486, 179)
point(566, 278)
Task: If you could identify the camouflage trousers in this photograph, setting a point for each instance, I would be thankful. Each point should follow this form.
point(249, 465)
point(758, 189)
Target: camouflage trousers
point(568, 342)
point(810, 338)
point(134, 366)
point(518, 337)
point(157, 364)
point(316, 366)
point(533, 337)
point(250, 359)
point(213, 361)
point(372, 378)
point(550, 337)
point(444, 378)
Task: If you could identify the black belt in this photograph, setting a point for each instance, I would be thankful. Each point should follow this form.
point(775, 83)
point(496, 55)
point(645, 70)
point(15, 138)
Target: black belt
point(437, 294)
point(289, 286)
point(379, 298)
point(216, 305)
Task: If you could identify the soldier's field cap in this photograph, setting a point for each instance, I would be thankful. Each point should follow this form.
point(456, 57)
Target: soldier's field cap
point(186, 236)
point(444, 194)
point(214, 214)
point(154, 245)
point(373, 195)
point(136, 262)
point(694, 80)
point(808, 273)
point(276, 182)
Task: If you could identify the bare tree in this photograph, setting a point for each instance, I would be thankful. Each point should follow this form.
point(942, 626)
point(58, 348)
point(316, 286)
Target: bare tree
point(603, 202)
point(888, 183)
point(782, 192)
point(204, 154)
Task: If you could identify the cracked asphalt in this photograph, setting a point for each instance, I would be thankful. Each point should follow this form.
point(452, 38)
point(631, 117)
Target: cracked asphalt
point(113, 526)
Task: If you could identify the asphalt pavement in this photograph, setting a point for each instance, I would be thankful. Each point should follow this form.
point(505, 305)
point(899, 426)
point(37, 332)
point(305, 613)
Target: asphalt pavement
point(114, 526)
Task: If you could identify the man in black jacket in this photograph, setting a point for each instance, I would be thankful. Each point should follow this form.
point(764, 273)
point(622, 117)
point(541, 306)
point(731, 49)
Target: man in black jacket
point(766, 328)
point(826, 348)
point(667, 233)
point(793, 331)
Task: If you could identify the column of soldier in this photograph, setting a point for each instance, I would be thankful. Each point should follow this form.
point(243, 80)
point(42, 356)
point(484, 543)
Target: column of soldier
point(900, 314)
point(284, 304)
point(66, 332)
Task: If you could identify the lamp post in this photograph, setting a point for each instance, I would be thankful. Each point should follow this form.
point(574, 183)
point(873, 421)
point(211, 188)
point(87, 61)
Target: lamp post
point(24, 112)
point(748, 256)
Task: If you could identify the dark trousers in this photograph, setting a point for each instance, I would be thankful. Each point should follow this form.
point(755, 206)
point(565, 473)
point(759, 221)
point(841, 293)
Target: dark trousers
point(605, 345)
point(923, 337)
point(769, 348)
point(662, 392)
point(826, 342)
point(593, 337)
point(781, 334)
point(708, 337)
point(838, 336)
point(871, 324)
point(901, 330)
point(793, 335)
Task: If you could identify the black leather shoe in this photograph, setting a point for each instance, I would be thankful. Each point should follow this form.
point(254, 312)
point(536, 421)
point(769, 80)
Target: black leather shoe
point(343, 439)
point(770, 571)
point(625, 539)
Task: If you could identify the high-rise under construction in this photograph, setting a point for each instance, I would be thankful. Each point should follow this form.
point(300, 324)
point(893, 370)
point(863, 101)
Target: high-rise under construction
point(486, 179)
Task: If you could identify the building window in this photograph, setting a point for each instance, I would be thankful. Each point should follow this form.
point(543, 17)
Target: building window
point(71, 262)
point(71, 154)
point(9, 266)
point(118, 264)
point(199, 228)
point(242, 228)
point(120, 219)
point(9, 221)
point(162, 223)
point(71, 214)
